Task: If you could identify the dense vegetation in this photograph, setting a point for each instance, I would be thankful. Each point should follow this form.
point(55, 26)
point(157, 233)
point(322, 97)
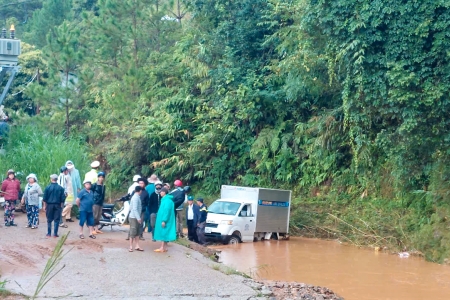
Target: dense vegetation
point(346, 102)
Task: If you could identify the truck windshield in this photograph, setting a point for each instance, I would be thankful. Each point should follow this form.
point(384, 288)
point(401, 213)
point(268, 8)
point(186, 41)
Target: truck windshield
point(224, 208)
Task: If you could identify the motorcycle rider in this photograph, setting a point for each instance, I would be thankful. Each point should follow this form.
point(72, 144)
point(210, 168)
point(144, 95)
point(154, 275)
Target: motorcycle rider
point(134, 184)
point(99, 191)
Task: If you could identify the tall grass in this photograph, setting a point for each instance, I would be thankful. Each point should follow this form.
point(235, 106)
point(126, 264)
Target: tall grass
point(50, 269)
point(41, 152)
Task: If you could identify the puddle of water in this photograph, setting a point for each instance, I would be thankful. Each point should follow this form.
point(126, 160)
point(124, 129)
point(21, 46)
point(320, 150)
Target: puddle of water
point(353, 273)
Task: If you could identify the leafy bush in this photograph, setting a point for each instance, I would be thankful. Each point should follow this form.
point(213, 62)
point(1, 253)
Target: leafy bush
point(41, 152)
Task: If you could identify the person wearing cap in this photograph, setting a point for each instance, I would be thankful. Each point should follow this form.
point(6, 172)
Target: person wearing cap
point(150, 188)
point(99, 191)
point(134, 184)
point(135, 218)
point(201, 223)
point(192, 217)
point(178, 198)
point(85, 202)
point(10, 191)
point(153, 206)
point(165, 221)
point(92, 174)
point(31, 199)
point(74, 178)
point(53, 202)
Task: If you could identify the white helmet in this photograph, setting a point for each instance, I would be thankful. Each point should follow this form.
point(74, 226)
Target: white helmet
point(136, 178)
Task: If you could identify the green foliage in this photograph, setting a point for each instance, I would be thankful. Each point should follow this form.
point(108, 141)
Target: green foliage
point(344, 101)
point(19, 99)
point(52, 14)
point(32, 149)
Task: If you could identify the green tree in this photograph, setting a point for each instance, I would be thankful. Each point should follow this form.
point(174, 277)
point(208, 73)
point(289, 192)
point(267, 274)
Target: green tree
point(52, 14)
point(60, 92)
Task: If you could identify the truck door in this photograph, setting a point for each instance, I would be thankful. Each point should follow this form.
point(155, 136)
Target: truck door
point(247, 221)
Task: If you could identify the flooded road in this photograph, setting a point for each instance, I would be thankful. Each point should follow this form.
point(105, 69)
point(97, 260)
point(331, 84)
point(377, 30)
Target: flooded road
point(355, 274)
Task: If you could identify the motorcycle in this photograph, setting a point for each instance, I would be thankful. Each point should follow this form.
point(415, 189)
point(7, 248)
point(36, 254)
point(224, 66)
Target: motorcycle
point(111, 216)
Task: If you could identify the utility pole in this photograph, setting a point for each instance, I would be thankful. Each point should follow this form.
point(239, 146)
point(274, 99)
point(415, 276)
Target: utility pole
point(9, 57)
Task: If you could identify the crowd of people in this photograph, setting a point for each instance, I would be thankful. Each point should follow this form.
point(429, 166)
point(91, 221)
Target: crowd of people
point(153, 206)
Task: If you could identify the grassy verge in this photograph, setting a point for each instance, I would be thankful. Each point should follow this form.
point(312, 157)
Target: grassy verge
point(414, 222)
point(43, 153)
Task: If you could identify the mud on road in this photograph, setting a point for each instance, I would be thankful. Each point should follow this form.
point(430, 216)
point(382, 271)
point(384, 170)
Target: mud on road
point(103, 268)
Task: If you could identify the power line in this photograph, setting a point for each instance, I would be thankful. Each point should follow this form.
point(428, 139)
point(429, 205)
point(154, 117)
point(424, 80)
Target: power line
point(28, 83)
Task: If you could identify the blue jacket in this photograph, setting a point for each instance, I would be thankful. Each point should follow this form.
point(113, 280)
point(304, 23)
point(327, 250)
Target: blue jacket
point(196, 211)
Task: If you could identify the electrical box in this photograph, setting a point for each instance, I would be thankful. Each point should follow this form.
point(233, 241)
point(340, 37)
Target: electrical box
point(9, 52)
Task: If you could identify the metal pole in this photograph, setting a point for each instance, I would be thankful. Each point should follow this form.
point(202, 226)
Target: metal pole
point(8, 85)
point(2, 73)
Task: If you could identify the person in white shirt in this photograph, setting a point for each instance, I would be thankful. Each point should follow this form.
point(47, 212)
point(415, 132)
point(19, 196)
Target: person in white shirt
point(192, 217)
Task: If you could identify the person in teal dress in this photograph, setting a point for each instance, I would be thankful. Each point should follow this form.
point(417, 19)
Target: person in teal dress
point(165, 230)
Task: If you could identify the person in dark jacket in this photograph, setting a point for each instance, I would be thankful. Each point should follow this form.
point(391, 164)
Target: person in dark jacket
point(192, 217)
point(179, 197)
point(53, 202)
point(10, 190)
point(98, 190)
point(153, 206)
point(201, 223)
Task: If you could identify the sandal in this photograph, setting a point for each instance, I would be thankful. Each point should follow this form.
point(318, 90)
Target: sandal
point(28, 226)
point(158, 250)
point(81, 236)
point(139, 249)
point(33, 227)
point(63, 226)
point(92, 236)
point(130, 250)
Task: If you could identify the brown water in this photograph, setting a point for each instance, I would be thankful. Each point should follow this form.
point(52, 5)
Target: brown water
point(353, 273)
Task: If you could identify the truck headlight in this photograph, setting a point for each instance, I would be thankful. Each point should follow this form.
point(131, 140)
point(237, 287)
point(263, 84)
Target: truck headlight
point(229, 222)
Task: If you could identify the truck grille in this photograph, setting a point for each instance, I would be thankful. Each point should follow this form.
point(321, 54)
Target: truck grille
point(211, 225)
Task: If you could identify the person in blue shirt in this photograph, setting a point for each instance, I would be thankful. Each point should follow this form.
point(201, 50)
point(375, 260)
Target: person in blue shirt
point(85, 202)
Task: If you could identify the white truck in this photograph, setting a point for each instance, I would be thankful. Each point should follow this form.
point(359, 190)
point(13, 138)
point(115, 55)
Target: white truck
point(245, 214)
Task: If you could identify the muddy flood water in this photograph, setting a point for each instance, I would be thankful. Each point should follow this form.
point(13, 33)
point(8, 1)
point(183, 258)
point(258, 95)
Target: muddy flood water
point(355, 274)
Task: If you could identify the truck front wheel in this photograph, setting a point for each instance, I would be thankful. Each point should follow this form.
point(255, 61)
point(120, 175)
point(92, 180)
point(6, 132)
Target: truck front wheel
point(234, 240)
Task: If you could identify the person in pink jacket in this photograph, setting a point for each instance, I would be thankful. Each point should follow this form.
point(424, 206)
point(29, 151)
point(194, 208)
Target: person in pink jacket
point(10, 190)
